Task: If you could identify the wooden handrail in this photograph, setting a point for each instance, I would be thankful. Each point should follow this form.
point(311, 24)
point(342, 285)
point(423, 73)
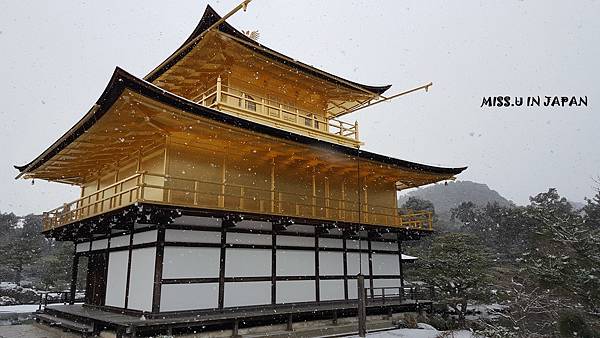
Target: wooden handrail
point(248, 198)
point(332, 126)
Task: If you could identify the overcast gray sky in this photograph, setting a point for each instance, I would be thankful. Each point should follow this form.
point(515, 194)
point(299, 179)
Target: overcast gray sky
point(57, 57)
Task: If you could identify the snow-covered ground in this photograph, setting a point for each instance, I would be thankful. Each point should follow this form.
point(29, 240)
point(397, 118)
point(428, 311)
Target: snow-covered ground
point(420, 333)
point(26, 308)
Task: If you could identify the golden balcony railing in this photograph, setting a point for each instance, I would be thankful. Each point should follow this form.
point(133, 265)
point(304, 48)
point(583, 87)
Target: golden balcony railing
point(270, 111)
point(184, 192)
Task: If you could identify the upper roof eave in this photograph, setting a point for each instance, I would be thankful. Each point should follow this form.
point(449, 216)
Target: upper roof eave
point(121, 80)
point(210, 17)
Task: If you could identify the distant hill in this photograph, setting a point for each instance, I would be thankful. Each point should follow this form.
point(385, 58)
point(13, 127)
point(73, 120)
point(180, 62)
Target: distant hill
point(446, 197)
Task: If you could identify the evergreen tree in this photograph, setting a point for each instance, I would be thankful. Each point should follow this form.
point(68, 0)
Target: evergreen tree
point(564, 253)
point(458, 266)
point(22, 246)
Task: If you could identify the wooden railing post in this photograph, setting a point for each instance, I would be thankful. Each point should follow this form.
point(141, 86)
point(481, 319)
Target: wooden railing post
point(141, 184)
point(430, 221)
point(242, 192)
point(218, 90)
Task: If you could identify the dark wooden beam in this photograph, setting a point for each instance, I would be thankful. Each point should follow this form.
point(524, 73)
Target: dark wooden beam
point(158, 268)
point(223, 252)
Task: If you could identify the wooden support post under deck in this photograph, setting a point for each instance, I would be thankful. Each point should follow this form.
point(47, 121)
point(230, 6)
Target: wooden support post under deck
point(362, 308)
point(235, 329)
point(290, 323)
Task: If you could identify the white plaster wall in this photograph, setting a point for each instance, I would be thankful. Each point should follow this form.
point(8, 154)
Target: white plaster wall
point(194, 220)
point(100, 244)
point(331, 263)
point(352, 292)
point(389, 246)
point(393, 284)
point(309, 229)
point(192, 236)
point(378, 283)
point(352, 260)
point(296, 241)
point(353, 244)
point(179, 297)
point(295, 291)
point(116, 279)
point(331, 289)
point(142, 279)
point(257, 225)
point(331, 243)
point(247, 262)
point(83, 247)
point(247, 293)
point(242, 238)
point(144, 237)
point(386, 264)
point(295, 263)
point(119, 241)
point(184, 262)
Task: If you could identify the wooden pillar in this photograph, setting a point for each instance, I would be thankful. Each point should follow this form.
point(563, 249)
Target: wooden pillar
point(345, 256)
point(342, 202)
point(395, 211)
point(219, 88)
point(290, 323)
point(400, 261)
point(222, 265)
point(138, 165)
point(74, 270)
point(273, 264)
point(166, 165)
point(327, 201)
point(362, 306)
point(273, 186)
point(130, 252)
point(235, 330)
point(107, 255)
point(314, 195)
point(317, 279)
point(370, 266)
point(365, 201)
point(223, 178)
point(158, 268)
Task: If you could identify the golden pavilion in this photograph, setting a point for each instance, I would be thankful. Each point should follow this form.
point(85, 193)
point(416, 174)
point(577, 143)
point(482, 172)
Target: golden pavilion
point(226, 182)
